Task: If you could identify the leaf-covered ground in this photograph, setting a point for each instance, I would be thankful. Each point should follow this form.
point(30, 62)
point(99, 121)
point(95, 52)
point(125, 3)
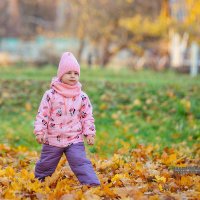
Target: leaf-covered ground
point(140, 173)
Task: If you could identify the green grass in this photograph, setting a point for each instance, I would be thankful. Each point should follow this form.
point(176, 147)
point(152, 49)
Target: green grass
point(98, 74)
point(168, 111)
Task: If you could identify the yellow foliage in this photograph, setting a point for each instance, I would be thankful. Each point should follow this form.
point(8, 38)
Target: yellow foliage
point(193, 11)
point(140, 25)
point(128, 174)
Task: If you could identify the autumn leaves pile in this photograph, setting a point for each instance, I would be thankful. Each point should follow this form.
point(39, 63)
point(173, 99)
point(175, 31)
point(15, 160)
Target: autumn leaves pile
point(140, 173)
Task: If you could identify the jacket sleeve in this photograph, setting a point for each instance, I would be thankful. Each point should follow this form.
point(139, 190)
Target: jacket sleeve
point(86, 116)
point(43, 115)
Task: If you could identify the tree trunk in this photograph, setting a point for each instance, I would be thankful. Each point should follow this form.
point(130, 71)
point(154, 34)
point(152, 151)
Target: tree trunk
point(105, 53)
point(165, 8)
point(60, 14)
point(14, 18)
point(80, 50)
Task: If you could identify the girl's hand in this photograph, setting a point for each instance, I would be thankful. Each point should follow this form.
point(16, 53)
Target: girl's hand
point(40, 139)
point(90, 139)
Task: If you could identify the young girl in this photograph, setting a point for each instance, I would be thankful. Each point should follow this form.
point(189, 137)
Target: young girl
point(64, 118)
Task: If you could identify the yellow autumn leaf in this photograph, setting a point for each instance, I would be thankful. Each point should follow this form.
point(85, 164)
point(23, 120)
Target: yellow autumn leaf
point(108, 191)
point(139, 166)
point(2, 172)
point(171, 159)
point(117, 177)
point(170, 94)
point(186, 104)
point(154, 197)
point(116, 115)
point(186, 181)
point(16, 186)
point(160, 179)
point(137, 102)
point(4, 181)
point(118, 123)
point(26, 175)
point(103, 106)
point(21, 149)
point(28, 106)
point(9, 194)
point(160, 187)
point(148, 101)
point(9, 171)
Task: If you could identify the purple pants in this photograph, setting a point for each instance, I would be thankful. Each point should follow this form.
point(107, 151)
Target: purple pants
point(76, 156)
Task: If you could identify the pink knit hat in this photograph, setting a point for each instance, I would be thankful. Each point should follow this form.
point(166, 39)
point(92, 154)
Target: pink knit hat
point(67, 63)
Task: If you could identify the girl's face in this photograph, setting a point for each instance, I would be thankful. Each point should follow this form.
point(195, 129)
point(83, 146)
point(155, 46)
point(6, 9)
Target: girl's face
point(70, 78)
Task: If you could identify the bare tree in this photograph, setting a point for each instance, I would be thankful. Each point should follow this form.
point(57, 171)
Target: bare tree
point(13, 22)
point(3, 17)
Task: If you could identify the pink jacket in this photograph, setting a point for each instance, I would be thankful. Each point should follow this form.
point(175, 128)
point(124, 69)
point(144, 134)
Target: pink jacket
point(62, 120)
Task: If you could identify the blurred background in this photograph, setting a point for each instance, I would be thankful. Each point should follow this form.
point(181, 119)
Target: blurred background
point(139, 60)
point(132, 33)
